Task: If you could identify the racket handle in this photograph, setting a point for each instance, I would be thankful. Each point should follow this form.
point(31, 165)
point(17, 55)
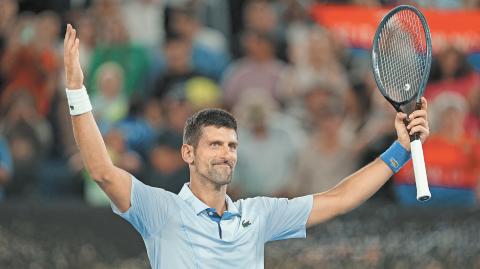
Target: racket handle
point(423, 192)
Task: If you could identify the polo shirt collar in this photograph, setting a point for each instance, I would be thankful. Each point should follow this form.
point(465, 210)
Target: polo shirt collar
point(199, 206)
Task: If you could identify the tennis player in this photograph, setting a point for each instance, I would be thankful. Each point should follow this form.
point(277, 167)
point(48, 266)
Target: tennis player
point(201, 227)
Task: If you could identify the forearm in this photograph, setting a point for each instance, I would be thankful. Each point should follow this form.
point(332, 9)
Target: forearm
point(358, 187)
point(349, 193)
point(92, 147)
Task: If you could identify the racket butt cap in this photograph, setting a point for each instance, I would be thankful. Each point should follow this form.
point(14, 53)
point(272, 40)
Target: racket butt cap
point(423, 198)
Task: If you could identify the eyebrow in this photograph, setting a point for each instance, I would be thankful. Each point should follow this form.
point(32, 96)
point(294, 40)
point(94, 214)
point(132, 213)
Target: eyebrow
point(222, 142)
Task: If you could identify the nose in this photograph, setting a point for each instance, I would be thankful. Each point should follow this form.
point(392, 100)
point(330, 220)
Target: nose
point(228, 154)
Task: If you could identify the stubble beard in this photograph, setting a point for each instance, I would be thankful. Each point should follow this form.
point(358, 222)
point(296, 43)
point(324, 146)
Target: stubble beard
point(217, 175)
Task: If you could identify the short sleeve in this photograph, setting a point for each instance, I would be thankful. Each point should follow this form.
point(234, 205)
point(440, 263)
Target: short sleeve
point(286, 218)
point(150, 208)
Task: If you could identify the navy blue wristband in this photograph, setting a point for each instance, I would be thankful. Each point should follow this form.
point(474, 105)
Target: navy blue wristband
point(396, 156)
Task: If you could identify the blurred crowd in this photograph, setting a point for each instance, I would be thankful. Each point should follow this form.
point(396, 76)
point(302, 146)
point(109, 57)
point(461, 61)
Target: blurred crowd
point(308, 109)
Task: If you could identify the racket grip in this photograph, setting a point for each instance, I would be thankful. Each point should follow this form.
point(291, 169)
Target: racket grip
point(423, 192)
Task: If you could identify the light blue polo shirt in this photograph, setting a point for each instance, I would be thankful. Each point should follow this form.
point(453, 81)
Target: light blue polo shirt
point(180, 231)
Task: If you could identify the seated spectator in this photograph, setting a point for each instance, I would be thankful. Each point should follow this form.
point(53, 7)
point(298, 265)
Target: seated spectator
point(452, 158)
point(209, 47)
point(263, 167)
point(178, 69)
point(142, 125)
point(30, 61)
point(29, 137)
point(122, 157)
point(167, 168)
point(452, 71)
point(110, 103)
point(89, 33)
point(258, 69)
point(327, 157)
point(146, 29)
point(258, 16)
point(116, 46)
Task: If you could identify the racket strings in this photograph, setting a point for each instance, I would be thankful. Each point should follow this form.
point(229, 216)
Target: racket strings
point(398, 87)
point(401, 56)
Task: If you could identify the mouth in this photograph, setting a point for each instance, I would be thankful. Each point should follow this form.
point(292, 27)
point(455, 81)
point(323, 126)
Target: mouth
point(223, 164)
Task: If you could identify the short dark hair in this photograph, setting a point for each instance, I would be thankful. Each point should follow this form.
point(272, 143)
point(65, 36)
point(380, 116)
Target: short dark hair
point(206, 117)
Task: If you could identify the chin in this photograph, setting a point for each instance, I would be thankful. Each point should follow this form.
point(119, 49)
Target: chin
point(222, 181)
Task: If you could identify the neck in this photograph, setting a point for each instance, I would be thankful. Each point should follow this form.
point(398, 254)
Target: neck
point(209, 193)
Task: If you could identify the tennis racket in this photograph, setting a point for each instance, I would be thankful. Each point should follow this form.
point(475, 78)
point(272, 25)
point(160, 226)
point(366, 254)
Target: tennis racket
point(401, 59)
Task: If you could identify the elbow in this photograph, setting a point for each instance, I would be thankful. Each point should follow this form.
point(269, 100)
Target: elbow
point(100, 175)
point(97, 176)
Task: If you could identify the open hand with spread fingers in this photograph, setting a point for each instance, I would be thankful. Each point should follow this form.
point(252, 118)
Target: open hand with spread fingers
point(71, 59)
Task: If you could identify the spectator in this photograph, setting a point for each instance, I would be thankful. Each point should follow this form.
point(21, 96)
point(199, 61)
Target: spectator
point(263, 166)
point(186, 23)
point(179, 66)
point(327, 157)
point(258, 16)
point(110, 101)
point(209, 46)
point(259, 69)
point(141, 126)
point(88, 32)
point(452, 72)
point(452, 159)
point(313, 60)
point(450, 64)
point(116, 46)
point(121, 156)
point(167, 169)
point(367, 122)
point(147, 29)
point(215, 14)
point(32, 66)
point(29, 138)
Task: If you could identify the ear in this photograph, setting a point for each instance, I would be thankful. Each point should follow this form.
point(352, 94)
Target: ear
point(188, 154)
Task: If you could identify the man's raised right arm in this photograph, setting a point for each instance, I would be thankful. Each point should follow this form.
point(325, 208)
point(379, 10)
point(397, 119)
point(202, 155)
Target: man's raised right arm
point(115, 182)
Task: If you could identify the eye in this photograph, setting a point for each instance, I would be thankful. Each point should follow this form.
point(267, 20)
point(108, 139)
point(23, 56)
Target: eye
point(214, 144)
point(233, 146)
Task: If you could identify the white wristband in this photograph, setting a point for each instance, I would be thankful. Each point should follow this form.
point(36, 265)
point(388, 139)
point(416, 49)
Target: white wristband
point(78, 101)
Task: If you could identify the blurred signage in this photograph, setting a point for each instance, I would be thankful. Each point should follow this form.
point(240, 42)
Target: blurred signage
point(357, 25)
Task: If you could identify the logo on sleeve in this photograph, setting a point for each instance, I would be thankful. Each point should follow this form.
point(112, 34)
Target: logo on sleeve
point(245, 224)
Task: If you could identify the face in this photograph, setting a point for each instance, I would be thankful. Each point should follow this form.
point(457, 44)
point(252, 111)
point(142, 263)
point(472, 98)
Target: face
point(215, 156)
point(110, 82)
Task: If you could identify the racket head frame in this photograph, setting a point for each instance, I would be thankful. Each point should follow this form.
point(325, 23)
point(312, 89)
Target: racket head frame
point(376, 73)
